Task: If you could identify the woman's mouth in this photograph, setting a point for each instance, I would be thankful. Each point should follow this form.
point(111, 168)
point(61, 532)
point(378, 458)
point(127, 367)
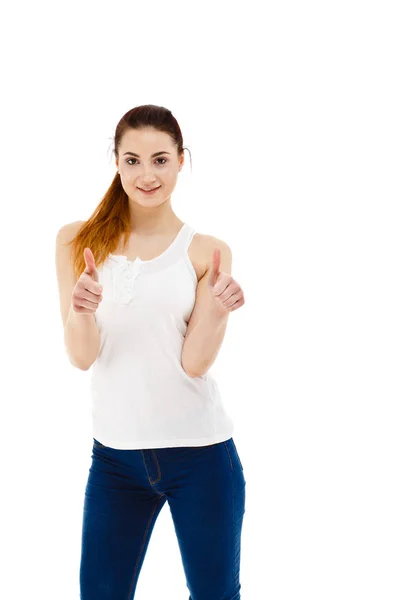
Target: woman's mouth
point(150, 191)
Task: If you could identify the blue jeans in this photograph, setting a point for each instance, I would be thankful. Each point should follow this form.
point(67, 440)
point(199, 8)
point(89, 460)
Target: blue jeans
point(125, 491)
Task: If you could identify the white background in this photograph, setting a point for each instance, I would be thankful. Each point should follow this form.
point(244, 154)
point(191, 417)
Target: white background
point(291, 113)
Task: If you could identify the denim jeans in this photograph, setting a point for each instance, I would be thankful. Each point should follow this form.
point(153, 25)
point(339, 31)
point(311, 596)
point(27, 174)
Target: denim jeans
point(125, 492)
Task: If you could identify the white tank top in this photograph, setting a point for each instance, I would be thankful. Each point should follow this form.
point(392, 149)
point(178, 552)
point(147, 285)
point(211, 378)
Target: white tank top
point(141, 395)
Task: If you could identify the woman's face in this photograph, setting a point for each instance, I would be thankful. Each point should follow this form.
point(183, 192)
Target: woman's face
point(139, 168)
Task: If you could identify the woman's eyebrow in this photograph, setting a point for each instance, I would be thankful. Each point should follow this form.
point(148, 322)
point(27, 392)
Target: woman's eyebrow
point(152, 156)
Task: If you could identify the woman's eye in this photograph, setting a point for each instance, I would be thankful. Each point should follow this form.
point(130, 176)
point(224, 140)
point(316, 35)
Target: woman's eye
point(161, 158)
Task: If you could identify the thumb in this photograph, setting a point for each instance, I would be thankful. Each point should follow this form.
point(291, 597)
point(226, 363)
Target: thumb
point(214, 270)
point(90, 264)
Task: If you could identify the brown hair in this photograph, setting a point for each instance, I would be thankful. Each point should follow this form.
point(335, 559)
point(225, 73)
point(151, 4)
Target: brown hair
point(111, 219)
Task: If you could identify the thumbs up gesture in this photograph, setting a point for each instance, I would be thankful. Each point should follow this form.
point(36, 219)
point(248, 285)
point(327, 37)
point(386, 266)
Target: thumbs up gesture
point(87, 293)
point(90, 264)
point(226, 292)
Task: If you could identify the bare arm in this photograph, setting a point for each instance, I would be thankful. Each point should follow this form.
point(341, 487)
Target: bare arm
point(206, 328)
point(81, 339)
point(81, 334)
point(202, 345)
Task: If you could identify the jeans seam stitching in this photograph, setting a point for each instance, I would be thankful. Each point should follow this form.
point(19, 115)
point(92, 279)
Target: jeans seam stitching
point(143, 543)
point(230, 459)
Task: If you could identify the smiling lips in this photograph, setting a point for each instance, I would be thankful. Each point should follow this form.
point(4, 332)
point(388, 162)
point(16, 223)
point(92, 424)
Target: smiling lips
point(149, 191)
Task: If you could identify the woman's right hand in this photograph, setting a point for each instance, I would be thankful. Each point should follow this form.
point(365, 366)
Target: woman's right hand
point(86, 295)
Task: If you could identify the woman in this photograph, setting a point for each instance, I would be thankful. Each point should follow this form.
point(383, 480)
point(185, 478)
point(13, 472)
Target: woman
point(146, 300)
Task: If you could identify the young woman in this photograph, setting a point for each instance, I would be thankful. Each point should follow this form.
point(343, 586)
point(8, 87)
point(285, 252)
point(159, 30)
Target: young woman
point(146, 300)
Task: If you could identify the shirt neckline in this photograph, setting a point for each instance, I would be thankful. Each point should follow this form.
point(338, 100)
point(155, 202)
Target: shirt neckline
point(121, 258)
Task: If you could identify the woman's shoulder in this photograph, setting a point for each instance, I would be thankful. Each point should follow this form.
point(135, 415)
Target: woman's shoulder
point(68, 231)
point(204, 246)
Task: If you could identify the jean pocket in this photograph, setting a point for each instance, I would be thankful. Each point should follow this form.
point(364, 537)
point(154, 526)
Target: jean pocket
point(237, 454)
point(232, 451)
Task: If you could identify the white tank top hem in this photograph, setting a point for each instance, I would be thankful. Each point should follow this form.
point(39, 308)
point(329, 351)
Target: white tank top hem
point(163, 443)
point(141, 396)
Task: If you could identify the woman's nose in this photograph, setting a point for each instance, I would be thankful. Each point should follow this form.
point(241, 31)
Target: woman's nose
point(148, 173)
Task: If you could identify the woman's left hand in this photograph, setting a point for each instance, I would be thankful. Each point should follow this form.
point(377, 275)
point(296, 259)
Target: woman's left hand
point(226, 292)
